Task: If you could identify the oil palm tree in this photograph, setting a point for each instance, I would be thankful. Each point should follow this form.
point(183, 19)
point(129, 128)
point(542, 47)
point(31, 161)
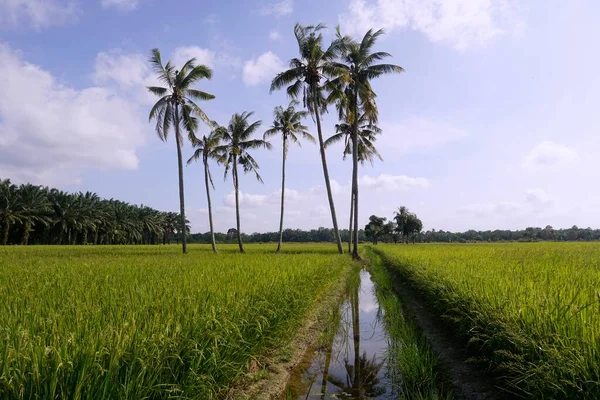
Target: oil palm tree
point(34, 208)
point(355, 96)
point(206, 149)
point(237, 141)
point(288, 123)
point(9, 205)
point(176, 108)
point(366, 152)
point(305, 78)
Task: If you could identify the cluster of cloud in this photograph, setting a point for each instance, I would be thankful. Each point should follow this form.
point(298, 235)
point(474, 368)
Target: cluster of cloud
point(305, 208)
point(549, 154)
point(37, 13)
point(51, 132)
point(262, 69)
point(462, 23)
point(279, 9)
point(534, 201)
point(121, 5)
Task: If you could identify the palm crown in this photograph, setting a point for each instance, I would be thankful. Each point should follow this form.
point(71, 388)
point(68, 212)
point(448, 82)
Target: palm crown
point(178, 92)
point(288, 122)
point(206, 149)
point(237, 141)
point(367, 134)
point(306, 72)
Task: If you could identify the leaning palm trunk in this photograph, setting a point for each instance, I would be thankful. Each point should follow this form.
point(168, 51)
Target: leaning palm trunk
point(282, 196)
point(327, 183)
point(237, 204)
point(180, 168)
point(210, 219)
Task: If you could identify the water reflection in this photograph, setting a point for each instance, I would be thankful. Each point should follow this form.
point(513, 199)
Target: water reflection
point(353, 365)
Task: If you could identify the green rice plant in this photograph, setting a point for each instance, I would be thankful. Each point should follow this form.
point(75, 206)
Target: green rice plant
point(131, 322)
point(414, 370)
point(532, 309)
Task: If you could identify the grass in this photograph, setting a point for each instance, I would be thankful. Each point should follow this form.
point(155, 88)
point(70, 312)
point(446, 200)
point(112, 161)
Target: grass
point(531, 310)
point(147, 322)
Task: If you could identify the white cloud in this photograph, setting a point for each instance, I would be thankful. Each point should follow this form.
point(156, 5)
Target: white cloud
point(121, 5)
point(274, 35)
point(548, 154)
point(203, 56)
point(279, 8)
point(504, 209)
point(52, 132)
point(461, 23)
point(262, 69)
point(534, 201)
point(538, 197)
point(387, 182)
point(37, 13)
point(127, 70)
point(418, 132)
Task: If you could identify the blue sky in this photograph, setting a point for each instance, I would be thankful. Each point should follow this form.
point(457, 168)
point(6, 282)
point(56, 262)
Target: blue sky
point(494, 124)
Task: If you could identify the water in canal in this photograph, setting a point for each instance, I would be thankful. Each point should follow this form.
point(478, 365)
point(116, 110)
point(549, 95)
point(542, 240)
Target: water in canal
point(354, 363)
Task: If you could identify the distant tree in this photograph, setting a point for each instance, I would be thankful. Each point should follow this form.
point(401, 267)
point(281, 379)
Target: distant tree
point(237, 141)
point(407, 224)
point(288, 123)
point(176, 108)
point(377, 228)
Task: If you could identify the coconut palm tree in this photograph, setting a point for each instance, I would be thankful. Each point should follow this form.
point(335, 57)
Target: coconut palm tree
point(237, 141)
point(205, 149)
point(287, 122)
point(355, 96)
point(176, 108)
point(366, 152)
point(304, 78)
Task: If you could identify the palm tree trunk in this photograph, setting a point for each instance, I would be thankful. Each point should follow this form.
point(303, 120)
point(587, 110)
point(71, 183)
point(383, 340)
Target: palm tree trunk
point(236, 184)
point(351, 221)
point(26, 229)
point(282, 195)
point(210, 219)
point(180, 169)
point(355, 254)
point(327, 183)
point(5, 230)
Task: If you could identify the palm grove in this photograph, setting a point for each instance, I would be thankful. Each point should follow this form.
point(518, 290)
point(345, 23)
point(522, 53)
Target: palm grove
point(336, 76)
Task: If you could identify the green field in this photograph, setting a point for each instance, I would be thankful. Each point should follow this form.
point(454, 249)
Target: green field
point(533, 310)
point(146, 322)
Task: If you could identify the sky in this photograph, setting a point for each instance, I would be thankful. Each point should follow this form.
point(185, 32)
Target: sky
point(493, 125)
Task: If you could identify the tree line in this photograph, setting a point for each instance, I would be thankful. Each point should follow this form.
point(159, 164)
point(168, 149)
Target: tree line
point(336, 76)
point(31, 214)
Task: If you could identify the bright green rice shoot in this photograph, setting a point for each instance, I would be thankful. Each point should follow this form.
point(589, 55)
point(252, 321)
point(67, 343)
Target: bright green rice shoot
point(136, 322)
point(533, 309)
